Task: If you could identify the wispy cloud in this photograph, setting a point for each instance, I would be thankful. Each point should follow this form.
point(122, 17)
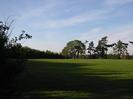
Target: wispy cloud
point(36, 12)
point(91, 35)
point(79, 18)
point(75, 20)
point(122, 33)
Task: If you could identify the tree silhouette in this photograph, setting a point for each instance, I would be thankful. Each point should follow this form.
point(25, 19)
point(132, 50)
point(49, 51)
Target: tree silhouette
point(101, 48)
point(3, 41)
point(120, 49)
point(9, 47)
point(91, 49)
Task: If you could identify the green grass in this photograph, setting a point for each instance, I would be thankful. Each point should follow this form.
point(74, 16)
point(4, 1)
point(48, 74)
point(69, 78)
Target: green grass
point(76, 79)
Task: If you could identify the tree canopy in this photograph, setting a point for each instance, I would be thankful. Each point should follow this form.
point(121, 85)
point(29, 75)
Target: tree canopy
point(120, 49)
point(74, 49)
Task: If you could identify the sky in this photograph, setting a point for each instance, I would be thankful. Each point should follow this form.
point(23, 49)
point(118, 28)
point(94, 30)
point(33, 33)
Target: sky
point(53, 23)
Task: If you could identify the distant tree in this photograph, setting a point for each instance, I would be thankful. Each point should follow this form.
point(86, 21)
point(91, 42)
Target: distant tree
point(91, 49)
point(30, 53)
point(74, 49)
point(101, 48)
point(120, 49)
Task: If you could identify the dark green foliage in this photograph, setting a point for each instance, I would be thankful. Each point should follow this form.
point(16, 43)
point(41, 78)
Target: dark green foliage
point(100, 51)
point(15, 49)
point(120, 49)
point(77, 49)
point(10, 68)
point(92, 51)
point(74, 49)
point(91, 48)
point(10, 46)
point(101, 48)
point(3, 42)
point(112, 56)
point(30, 53)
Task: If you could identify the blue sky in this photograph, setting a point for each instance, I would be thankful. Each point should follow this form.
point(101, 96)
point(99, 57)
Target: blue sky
point(53, 23)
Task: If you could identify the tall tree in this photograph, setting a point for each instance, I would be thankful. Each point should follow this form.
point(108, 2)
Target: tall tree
point(91, 48)
point(74, 49)
point(101, 47)
point(120, 49)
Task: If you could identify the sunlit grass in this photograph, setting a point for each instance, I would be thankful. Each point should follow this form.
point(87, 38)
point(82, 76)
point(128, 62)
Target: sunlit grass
point(119, 69)
point(77, 79)
point(57, 93)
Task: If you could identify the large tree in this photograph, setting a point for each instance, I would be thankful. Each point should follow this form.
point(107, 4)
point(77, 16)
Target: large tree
point(74, 49)
point(120, 49)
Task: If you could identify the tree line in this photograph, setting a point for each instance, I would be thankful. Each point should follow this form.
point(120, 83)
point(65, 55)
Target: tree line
point(78, 49)
point(12, 48)
point(30, 53)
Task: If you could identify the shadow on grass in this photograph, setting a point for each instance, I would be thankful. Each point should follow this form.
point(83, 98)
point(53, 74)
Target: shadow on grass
point(46, 80)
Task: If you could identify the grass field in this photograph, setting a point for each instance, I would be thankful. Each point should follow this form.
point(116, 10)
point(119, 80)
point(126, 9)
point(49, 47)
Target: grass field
point(76, 79)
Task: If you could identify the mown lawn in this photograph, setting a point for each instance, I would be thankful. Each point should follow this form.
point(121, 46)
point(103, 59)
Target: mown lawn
point(76, 79)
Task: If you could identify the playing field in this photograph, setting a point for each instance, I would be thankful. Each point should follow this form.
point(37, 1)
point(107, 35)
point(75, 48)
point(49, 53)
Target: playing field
point(76, 79)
